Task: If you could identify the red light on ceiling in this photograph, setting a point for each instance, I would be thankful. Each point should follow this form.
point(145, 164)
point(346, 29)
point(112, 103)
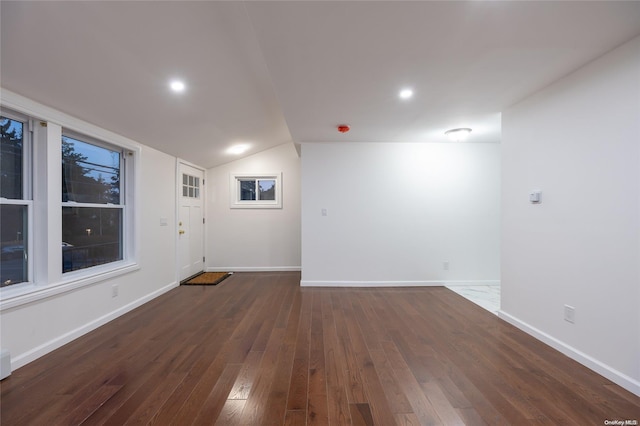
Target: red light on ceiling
point(344, 128)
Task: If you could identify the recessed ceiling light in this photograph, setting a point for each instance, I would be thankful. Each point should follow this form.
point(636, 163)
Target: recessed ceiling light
point(177, 86)
point(458, 135)
point(405, 93)
point(238, 149)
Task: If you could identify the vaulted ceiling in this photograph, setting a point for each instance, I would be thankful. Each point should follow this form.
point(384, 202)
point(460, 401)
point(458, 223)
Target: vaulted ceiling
point(265, 73)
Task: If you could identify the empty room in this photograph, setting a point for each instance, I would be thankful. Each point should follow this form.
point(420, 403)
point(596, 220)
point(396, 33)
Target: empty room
point(320, 212)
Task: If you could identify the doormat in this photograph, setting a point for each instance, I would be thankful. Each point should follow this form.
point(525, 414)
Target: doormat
point(208, 278)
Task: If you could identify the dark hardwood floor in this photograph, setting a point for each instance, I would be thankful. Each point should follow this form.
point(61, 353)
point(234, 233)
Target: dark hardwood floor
point(259, 350)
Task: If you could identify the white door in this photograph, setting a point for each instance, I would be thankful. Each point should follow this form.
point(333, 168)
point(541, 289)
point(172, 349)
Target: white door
point(190, 221)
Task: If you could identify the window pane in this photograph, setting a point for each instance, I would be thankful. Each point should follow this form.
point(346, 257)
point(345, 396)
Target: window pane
point(196, 193)
point(90, 236)
point(185, 191)
point(90, 174)
point(13, 243)
point(185, 179)
point(247, 190)
point(267, 189)
point(11, 158)
point(197, 182)
point(190, 192)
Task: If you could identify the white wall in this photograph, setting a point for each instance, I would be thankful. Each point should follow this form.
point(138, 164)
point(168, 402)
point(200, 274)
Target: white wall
point(397, 211)
point(254, 239)
point(578, 141)
point(33, 329)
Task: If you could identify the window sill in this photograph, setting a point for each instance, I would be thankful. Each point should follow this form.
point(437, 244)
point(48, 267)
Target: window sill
point(250, 205)
point(22, 294)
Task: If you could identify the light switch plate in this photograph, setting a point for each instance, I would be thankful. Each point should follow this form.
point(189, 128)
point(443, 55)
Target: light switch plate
point(535, 197)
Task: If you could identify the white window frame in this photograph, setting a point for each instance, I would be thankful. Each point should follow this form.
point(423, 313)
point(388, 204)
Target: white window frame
point(46, 218)
point(27, 193)
point(123, 191)
point(234, 191)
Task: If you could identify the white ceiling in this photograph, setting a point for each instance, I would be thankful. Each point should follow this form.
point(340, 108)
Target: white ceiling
point(268, 73)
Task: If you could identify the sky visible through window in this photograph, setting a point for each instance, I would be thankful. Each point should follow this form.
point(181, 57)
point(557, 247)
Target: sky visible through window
point(266, 185)
point(98, 155)
point(100, 161)
point(90, 173)
point(13, 126)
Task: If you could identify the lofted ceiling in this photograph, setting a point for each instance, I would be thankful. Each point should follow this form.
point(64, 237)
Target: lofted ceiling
point(265, 73)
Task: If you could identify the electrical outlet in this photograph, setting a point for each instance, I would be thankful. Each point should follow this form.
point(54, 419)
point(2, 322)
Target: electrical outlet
point(114, 290)
point(569, 314)
point(445, 266)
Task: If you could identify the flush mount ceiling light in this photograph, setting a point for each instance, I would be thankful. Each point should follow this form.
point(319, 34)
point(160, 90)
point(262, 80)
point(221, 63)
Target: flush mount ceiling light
point(238, 149)
point(458, 135)
point(405, 93)
point(177, 86)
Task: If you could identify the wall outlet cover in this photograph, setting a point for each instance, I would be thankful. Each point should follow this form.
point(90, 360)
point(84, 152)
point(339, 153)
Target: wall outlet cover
point(569, 314)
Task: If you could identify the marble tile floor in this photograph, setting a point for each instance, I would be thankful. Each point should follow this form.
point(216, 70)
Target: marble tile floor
point(485, 296)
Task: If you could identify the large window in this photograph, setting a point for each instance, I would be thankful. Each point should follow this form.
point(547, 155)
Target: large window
point(92, 204)
point(68, 213)
point(15, 203)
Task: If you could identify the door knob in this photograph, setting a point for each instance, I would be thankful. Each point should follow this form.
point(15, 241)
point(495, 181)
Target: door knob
point(181, 232)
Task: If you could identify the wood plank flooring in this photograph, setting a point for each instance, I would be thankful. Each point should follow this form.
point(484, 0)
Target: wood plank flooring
point(259, 350)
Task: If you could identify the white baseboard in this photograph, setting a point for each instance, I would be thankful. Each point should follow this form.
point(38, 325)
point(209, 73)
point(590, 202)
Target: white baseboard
point(621, 379)
point(35, 353)
point(307, 283)
point(310, 283)
point(254, 269)
point(470, 283)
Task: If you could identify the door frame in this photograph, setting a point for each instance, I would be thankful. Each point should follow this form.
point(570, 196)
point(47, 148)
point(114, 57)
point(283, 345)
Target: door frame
point(203, 196)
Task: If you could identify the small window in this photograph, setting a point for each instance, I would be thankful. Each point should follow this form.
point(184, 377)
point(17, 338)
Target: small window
point(190, 186)
point(92, 205)
point(256, 191)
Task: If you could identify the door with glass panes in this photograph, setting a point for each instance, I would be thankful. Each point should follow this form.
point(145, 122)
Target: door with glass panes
point(190, 221)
